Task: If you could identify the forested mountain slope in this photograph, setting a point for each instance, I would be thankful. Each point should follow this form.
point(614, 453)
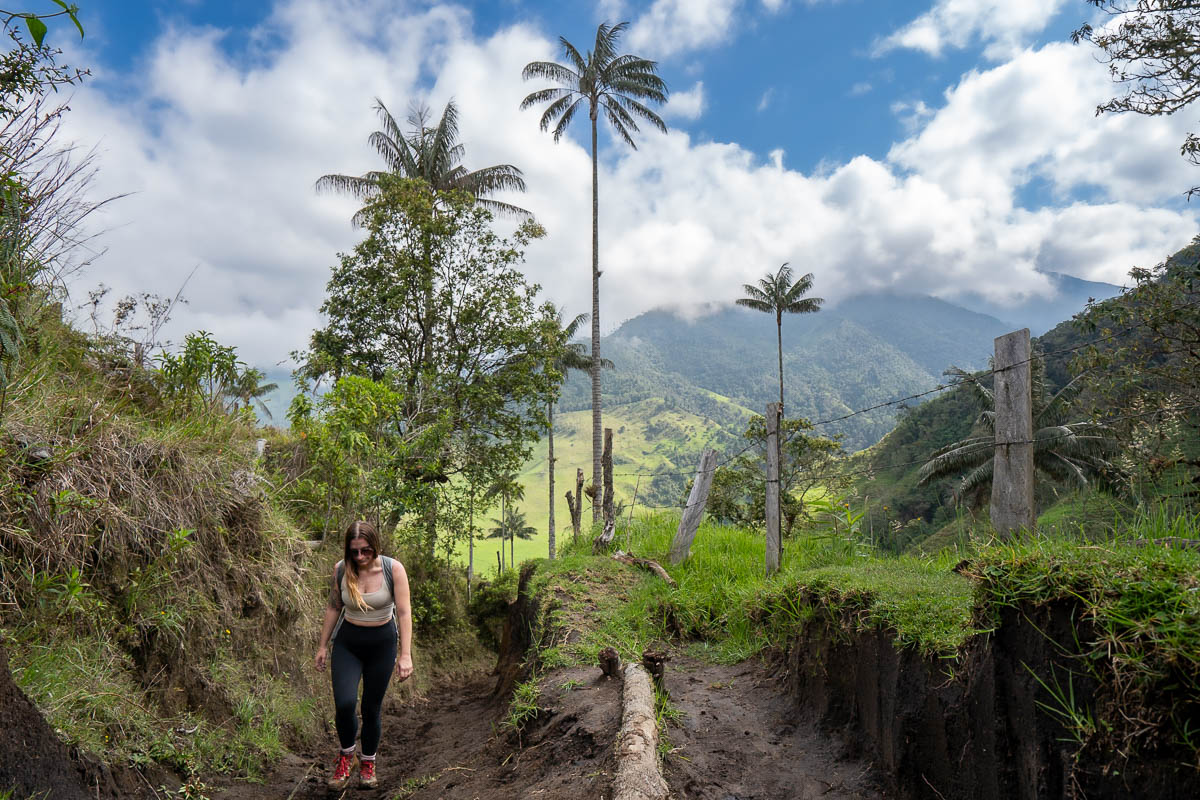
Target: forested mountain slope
point(864, 351)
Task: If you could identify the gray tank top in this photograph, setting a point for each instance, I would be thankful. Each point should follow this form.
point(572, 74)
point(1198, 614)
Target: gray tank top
point(380, 602)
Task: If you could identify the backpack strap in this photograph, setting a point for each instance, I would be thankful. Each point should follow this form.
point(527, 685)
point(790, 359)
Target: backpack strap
point(341, 570)
point(388, 577)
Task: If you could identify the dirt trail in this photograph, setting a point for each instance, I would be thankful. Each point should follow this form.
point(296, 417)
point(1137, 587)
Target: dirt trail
point(741, 738)
point(737, 740)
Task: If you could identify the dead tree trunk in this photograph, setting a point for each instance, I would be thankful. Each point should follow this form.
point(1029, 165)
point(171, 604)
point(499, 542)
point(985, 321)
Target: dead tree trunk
point(689, 521)
point(605, 539)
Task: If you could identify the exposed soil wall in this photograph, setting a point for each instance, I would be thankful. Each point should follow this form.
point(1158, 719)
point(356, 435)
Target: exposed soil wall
point(976, 728)
point(35, 763)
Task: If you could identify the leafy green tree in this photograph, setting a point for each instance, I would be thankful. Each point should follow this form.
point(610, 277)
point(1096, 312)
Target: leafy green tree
point(203, 373)
point(1145, 363)
point(777, 294)
point(1071, 453)
point(1152, 47)
point(618, 86)
point(431, 152)
point(434, 300)
point(570, 355)
point(738, 493)
point(357, 450)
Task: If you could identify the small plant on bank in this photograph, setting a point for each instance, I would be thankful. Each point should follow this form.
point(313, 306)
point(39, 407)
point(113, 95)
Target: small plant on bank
point(523, 708)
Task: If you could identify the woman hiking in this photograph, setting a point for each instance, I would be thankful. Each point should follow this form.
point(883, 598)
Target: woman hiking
point(368, 611)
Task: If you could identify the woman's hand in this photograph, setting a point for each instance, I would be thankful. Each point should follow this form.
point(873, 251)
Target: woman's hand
point(403, 667)
point(322, 657)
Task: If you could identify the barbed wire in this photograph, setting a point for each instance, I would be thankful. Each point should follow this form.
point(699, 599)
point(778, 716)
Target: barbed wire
point(925, 459)
point(972, 378)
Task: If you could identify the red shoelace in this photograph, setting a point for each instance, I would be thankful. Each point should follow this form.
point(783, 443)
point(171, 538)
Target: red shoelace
point(342, 768)
point(367, 770)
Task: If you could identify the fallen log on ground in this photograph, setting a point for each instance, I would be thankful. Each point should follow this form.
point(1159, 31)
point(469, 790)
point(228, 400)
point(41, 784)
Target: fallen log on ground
point(645, 563)
point(638, 774)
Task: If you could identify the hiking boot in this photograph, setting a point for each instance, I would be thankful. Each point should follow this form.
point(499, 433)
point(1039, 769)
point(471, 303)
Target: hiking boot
point(343, 768)
point(366, 774)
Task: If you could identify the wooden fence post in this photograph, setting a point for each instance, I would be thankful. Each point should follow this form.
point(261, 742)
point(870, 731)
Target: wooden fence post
point(774, 544)
point(690, 520)
point(1012, 469)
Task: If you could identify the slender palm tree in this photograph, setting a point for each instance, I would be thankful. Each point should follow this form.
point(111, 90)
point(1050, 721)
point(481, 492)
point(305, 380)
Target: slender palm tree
point(429, 151)
point(508, 489)
point(572, 356)
point(1064, 452)
point(249, 389)
point(618, 86)
point(776, 294)
point(510, 527)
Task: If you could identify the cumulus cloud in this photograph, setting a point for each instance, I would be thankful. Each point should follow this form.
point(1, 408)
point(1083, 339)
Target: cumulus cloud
point(686, 105)
point(1004, 26)
point(764, 102)
point(222, 155)
point(675, 26)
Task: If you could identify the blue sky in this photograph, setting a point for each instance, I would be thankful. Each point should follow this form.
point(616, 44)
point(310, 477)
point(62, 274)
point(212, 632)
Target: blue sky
point(942, 146)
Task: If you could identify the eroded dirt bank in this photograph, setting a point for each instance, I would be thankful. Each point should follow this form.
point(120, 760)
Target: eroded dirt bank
point(980, 728)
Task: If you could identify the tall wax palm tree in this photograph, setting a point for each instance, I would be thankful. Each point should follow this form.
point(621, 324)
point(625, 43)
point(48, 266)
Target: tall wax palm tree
point(572, 356)
point(617, 86)
point(1066, 452)
point(429, 151)
point(508, 489)
point(510, 527)
point(776, 294)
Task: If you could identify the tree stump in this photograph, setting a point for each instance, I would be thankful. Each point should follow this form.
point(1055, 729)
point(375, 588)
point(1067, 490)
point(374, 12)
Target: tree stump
point(655, 660)
point(610, 662)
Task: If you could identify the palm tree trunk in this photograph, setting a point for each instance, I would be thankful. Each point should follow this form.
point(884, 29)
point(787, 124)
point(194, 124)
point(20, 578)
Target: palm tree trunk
point(596, 426)
point(779, 339)
point(550, 467)
point(470, 542)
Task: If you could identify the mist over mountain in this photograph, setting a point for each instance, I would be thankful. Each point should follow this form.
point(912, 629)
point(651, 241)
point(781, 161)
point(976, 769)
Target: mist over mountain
point(1039, 313)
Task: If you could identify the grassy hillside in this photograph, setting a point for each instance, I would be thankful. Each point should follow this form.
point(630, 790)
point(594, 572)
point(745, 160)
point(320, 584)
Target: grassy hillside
point(650, 436)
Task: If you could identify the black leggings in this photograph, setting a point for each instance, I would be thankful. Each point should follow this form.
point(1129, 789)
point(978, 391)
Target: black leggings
point(368, 654)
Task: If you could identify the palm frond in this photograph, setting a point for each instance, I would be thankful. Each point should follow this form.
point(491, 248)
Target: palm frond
point(564, 119)
point(358, 187)
point(618, 125)
point(633, 106)
point(544, 96)
point(955, 458)
point(755, 303)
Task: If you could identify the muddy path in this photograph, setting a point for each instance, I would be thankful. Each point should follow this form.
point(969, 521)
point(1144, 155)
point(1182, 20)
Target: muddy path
point(735, 738)
point(740, 736)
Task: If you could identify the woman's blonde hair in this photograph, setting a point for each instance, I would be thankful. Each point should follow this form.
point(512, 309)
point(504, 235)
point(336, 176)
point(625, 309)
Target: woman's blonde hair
point(358, 530)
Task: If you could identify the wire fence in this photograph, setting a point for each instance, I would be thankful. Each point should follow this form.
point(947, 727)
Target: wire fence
point(941, 387)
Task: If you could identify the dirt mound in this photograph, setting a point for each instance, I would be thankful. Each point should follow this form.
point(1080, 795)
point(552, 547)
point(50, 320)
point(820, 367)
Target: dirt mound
point(33, 761)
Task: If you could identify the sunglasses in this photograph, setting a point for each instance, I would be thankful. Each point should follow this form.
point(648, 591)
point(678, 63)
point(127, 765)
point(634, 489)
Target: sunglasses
point(362, 551)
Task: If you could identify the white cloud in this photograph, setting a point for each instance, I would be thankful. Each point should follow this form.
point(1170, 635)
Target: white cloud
point(1003, 25)
point(764, 102)
point(675, 26)
point(860, 88)
point(223, 157)
point(686, 105)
